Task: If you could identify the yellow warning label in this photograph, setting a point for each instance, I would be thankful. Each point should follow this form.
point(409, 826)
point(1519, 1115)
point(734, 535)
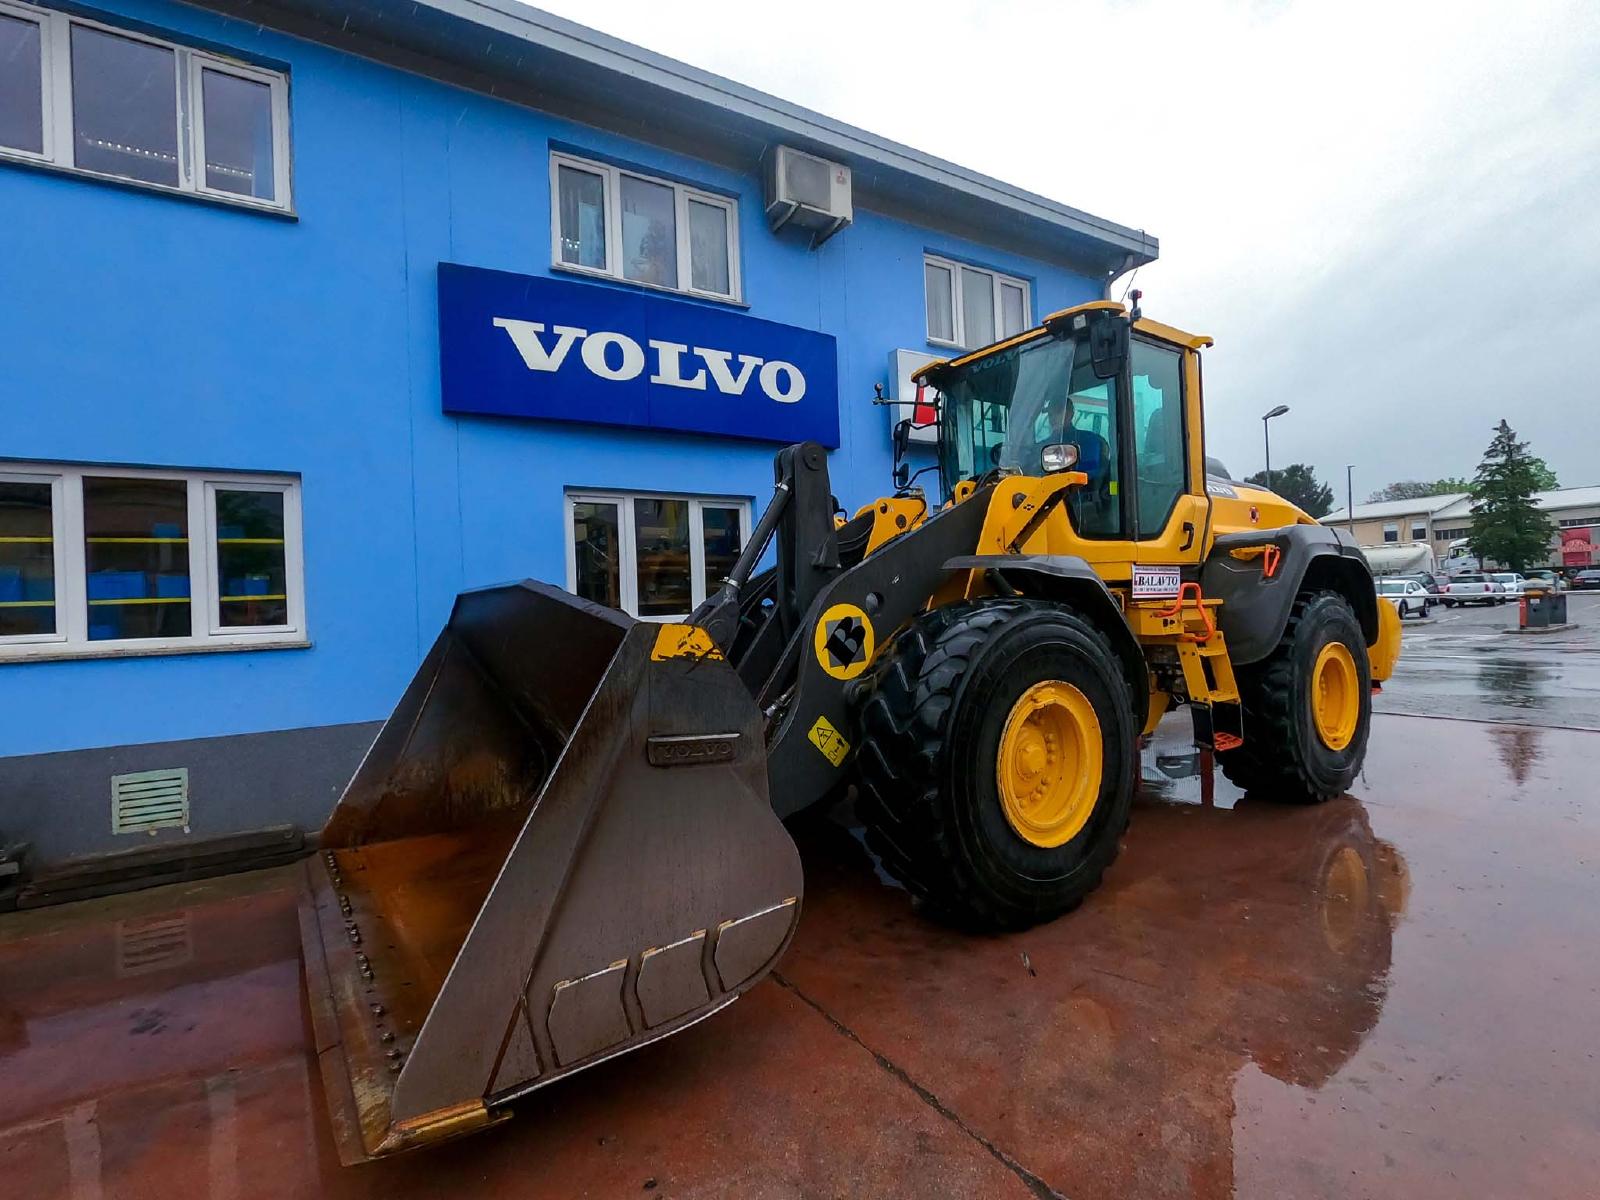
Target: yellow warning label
point(829, 740)
point(844, 641)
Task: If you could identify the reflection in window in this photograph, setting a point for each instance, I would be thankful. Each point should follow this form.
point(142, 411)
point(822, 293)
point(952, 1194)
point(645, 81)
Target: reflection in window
point(582, 207)
point(597, 545)
point(723, 542)
point(649, 233)
point(238, 135)
point(27, 560)
point(136, 550)
point(252, 574)
point(21, 85)
point(125, 107)
point(661, 532)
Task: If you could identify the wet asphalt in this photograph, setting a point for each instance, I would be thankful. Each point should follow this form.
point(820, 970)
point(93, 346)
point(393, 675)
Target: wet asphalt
point(1392, 994)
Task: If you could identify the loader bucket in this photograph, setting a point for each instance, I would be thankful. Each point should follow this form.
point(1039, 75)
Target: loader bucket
point(559, 848)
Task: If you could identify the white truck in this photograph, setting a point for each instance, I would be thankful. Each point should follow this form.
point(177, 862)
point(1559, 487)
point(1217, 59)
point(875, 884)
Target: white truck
point(1471, 587)
point(1399, 558)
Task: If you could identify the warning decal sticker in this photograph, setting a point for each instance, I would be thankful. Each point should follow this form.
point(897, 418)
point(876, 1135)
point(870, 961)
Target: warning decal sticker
point(829, 740)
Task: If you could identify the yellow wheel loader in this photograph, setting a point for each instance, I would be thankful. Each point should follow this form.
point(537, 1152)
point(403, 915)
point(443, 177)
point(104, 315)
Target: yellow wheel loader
point(567, 841)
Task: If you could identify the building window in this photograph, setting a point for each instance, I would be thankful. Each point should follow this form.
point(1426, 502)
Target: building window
point(1450, 535)
point(1578, 522)
point(1419, 531)
point(653, 556)
point(88, 97)
point(618, 223)
point(102, 560)
point(1391, 532)
point(969, 307)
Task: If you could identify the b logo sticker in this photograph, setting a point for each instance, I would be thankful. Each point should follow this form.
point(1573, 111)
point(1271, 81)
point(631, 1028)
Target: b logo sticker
point(844, 641)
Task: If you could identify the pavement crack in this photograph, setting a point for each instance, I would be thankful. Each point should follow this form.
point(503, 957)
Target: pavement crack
point(1032, 1182)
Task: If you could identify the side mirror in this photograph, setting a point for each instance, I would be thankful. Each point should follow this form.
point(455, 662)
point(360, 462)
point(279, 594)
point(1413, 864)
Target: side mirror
point(1108, 345)
point(1060, 457)
point(902, 438)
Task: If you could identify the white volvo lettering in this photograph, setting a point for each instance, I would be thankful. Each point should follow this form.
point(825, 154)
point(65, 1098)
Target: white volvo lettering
point(594, 356)
point(668, 371)
point(780, 381)
point(789, 394)
point(525, 337)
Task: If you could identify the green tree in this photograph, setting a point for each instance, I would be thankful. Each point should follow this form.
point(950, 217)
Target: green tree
point(1415, 489)
point(1298, 484)
point(1507, 527)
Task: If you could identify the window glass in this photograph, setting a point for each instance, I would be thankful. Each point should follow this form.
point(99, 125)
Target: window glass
point(27, 560)
point(941, 313)
point(136, 551)
point(723, 542)
point(1391, 533)
point(708, 248)
point(583, 217)
point(1158, 432)
point(1419, 531)
point(252, 576)
point(124, 105)
point(977, 307)
point(1013, 310)
point(597, 544)
point(661, 534)
point(21, 91)
point(238, 135)
point(649, 233)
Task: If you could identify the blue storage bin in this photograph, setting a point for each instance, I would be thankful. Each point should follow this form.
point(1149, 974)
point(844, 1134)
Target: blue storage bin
point(227, 533)
point(104, 631)
point(172, 585)
point(118, 585)
point(10, 584)
point(166, 530)
point(38, 587)
point(249, 585)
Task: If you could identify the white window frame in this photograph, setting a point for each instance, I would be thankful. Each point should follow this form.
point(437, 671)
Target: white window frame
point(611, 199)
point(958, 318)
point(71, 639)
point(627, 535)
point(188, 108)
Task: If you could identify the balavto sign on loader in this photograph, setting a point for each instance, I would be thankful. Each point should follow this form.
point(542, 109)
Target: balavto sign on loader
point(567, 840)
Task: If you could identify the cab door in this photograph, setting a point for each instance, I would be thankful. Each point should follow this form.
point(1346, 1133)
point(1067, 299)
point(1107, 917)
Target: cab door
point(1168, 460)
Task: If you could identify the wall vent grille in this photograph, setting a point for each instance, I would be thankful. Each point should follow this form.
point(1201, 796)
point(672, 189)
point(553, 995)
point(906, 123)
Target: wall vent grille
point(149, 800)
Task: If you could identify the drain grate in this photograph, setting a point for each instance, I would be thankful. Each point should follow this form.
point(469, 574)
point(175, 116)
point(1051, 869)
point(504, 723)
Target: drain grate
point(149, 800)
point(153, 944)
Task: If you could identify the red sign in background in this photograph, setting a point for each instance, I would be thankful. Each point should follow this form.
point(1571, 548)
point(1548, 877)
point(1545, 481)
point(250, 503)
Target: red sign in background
point(1577, 547)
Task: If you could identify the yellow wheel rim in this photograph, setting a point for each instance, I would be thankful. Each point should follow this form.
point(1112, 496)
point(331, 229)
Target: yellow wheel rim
point(1335, 695)
point(1049, 766)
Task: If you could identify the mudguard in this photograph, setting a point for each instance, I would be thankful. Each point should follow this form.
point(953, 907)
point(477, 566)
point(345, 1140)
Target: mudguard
point(1256, 606)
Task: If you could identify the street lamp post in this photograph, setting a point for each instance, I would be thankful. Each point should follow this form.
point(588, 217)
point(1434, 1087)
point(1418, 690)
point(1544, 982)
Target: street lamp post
point(1350, 498)
point(1266, 437)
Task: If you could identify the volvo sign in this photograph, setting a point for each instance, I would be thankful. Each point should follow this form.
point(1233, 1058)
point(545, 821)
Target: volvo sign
point(529, 346)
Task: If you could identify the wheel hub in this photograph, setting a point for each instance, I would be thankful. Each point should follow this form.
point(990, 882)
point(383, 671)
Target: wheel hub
point(1335, 695)
point(1049, 765)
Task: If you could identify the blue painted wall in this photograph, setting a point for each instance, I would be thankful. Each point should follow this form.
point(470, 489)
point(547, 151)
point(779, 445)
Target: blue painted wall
point(148, 330)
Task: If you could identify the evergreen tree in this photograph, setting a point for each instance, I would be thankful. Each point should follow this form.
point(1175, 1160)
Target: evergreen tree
point(1507, 527)
point(1297, 483)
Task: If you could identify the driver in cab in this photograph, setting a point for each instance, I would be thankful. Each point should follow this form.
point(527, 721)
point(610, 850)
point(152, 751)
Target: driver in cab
point(1094, 455)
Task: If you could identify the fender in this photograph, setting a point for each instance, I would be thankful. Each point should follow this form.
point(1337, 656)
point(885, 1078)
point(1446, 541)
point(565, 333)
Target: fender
point(1070, 580)
point(1255, 608)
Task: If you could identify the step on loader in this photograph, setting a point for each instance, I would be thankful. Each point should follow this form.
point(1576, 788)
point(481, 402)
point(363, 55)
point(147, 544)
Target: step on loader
point(567, 841)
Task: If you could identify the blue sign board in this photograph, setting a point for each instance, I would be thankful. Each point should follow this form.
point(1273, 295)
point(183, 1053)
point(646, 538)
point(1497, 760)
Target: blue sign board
point(530, 346)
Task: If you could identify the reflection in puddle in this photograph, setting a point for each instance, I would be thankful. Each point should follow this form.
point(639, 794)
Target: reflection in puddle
point(1518, 747)
point(1515, 684)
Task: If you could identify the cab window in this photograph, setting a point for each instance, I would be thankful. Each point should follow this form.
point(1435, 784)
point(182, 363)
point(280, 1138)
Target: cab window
point(1157, 432)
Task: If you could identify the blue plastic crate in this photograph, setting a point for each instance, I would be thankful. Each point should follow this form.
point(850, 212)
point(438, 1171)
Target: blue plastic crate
point(10, 584)
point(172, 585)
point(165, 530)
point(38, 587)
point(118, 585)
point(104, 631)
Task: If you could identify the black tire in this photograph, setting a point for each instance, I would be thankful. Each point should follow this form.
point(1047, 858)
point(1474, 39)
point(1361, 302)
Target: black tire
point(931, 723)
point(1283, 758)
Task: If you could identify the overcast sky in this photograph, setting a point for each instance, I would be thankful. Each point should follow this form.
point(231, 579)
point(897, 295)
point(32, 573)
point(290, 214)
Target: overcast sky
point(1387, 214)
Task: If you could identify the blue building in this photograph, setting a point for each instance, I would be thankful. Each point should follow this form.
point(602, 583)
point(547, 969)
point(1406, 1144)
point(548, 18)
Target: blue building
point(314, 315)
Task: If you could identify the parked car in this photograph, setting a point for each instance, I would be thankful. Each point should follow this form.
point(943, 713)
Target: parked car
point(1408, 596)
point(1471, 587)
point(1513, 582)
point(1431, 583)
point(1587, 580)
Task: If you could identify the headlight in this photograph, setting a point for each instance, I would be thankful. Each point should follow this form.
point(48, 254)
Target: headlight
point(1059, 457)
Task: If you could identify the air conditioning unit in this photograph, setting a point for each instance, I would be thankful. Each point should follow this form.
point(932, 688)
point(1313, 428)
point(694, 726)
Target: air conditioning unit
point(807, 191)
